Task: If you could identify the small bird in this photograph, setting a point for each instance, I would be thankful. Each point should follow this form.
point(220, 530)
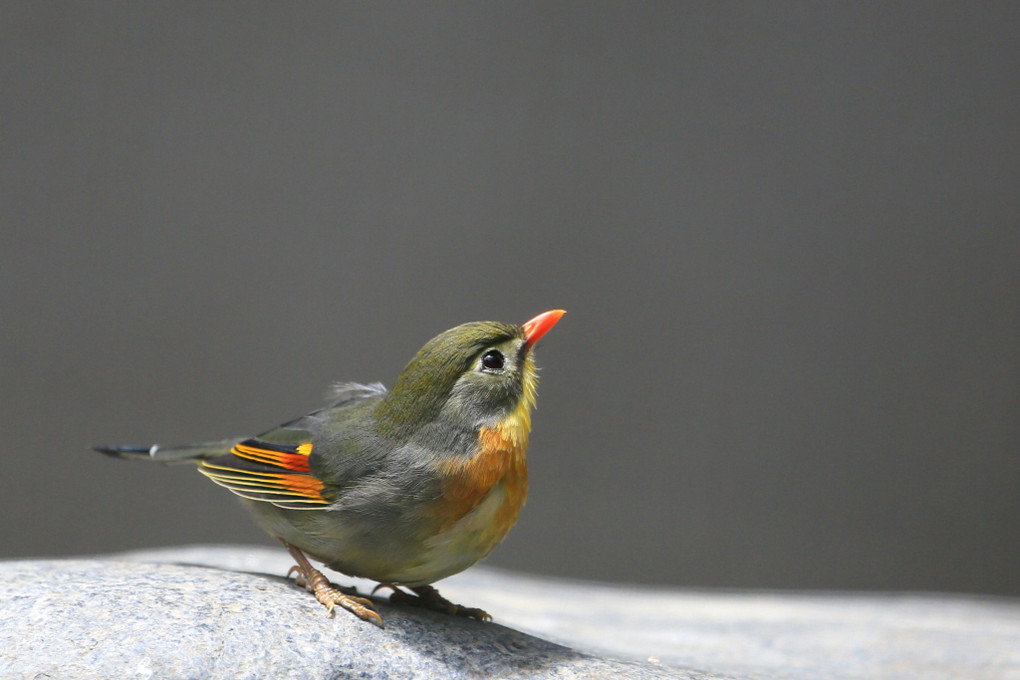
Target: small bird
point(403, 486)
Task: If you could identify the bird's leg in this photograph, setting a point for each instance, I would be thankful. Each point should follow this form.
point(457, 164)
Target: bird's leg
point(428, 597)
point(299, 579)
point(312, 580)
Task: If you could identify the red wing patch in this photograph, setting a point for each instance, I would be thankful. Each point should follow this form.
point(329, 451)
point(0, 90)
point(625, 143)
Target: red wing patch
point(273, 473)
point(293, 458)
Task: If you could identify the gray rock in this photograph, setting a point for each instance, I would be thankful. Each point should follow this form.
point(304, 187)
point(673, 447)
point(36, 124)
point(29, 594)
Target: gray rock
point(151, 614)
point(126, 619)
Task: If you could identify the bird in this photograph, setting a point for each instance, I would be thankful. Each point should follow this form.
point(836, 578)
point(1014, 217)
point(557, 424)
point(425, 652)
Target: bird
point(404, 486)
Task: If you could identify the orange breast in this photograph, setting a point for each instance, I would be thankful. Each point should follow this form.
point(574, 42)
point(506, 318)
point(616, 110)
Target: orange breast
point(500, 459)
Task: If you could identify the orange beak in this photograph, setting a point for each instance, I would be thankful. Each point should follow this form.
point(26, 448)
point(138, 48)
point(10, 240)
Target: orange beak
point(540, 325)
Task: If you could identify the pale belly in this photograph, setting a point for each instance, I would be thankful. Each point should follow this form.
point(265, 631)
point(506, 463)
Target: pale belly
point(469, 540)
point(381, 554)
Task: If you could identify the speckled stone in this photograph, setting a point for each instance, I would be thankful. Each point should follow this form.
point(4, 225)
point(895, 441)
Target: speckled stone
point(151, 614)
point(105, 619)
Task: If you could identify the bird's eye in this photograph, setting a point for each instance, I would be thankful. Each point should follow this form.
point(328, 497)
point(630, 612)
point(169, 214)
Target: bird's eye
point(492, 360)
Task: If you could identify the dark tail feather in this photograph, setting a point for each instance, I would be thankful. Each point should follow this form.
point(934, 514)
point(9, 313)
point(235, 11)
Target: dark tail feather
point(169, 454)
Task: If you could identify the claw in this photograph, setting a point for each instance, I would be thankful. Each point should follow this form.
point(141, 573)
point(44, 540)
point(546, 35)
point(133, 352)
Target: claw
point(428, 597)
point(312, 580)
point(383, 585)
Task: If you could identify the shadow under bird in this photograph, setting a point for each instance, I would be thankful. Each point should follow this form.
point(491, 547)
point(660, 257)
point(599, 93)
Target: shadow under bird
point(403, 486)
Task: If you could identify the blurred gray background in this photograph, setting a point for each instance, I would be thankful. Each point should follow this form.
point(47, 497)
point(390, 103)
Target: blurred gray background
point(787, 235)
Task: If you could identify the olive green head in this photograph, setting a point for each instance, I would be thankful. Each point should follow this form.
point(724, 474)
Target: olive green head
point(470, 376)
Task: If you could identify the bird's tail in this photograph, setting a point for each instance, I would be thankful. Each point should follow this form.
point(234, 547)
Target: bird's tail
point(181, 453)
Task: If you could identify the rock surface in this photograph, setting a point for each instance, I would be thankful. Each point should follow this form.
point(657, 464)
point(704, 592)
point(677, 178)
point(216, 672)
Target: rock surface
point(155, 614)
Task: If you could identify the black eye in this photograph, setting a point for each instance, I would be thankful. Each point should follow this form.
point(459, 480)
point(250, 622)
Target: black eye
point(492, 360)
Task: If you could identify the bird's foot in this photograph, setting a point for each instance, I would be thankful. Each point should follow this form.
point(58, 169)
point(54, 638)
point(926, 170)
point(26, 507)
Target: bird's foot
point(299, 579)
point(313, 580)
point(428, 597)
